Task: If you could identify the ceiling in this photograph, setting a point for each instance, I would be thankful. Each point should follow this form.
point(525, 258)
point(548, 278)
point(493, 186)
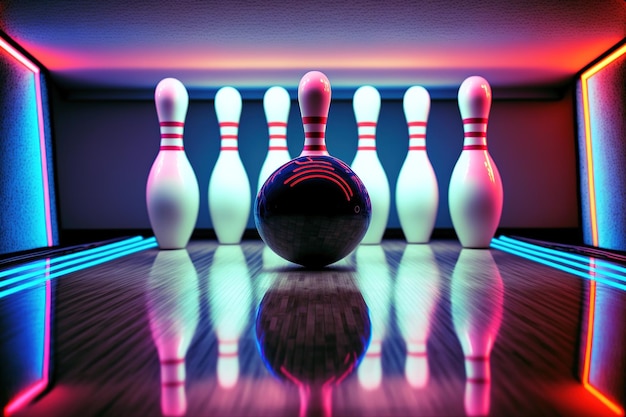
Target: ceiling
point(114, 44)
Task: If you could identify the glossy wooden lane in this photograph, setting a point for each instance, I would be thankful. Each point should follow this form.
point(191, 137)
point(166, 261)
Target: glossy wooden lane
point(392, 330)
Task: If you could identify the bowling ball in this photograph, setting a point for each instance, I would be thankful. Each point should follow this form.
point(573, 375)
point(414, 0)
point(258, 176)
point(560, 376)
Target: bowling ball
point(313, 211)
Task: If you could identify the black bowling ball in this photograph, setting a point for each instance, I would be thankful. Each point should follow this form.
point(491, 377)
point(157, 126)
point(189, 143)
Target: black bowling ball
point(313, 211)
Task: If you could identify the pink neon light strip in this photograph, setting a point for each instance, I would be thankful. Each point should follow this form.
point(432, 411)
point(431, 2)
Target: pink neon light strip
point(38, 387)
point(42, 137)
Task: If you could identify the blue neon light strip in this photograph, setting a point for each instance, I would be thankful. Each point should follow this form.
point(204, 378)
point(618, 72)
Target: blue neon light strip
point(71, 259)
point(562, 261)
point(600, 264)
point(44, 274)
point(51, 261)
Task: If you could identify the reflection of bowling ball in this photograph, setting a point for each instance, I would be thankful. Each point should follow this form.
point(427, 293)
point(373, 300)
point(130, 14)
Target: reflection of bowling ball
point(313, 327)
point(313, 210)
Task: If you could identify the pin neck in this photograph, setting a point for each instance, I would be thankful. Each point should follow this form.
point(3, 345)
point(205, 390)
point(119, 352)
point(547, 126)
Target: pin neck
point(314, 136)
point(172, 136)
point(475, 133)
point(367, 136)
point(278, 136)
point(417, 135)
point(229, 132)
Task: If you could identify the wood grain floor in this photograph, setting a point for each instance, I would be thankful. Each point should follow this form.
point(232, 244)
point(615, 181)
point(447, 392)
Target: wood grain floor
point(391, 330)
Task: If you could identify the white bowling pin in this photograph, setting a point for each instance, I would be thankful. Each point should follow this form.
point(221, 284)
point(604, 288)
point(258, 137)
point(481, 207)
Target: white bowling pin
point(276, 104)
point(229, 187)
point(417, 190)
point(477, 294)
point(172, 194)
point(374, 281)
point(366, 164)
point(475, 195)
point(416, 295)
point(230, 300)
point(174, 311)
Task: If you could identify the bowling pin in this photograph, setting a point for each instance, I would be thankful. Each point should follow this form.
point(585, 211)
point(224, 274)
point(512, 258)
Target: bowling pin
point(230, 299)
point(174, 312)
point(276, 104)
point(229, 187)
point(475, 194)
point(477, 294)
point(366, 164)
point(172, 194)
point(374, 281)
point(314, 93)
point(417, 191)
point(416, 296)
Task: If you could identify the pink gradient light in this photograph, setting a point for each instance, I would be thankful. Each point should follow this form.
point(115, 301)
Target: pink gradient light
point(42, 137)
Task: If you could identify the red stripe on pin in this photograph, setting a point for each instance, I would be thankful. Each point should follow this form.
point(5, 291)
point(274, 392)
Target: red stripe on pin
point(475, 134)
point(366, 148)
point(229, 124)
point(314, 119)
point(278, 148)
point(417, 136)
point(416, 124)
point(172, 124)
point(475, 147)
point(172, 148)
point(228, 148)
point(173, 384)
point(367, 136)
point(175, 361)
point(314, 147)
point(171, 136)
point(366, 124)
point(228, 136)
point(474, 120)
point(417, 148)
point(278, 136)
point(276, 124)
point(314, 135)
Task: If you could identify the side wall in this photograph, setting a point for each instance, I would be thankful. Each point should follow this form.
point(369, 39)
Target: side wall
point(23, 187)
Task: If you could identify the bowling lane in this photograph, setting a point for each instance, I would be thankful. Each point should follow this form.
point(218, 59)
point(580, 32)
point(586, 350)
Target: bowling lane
point(392, 330)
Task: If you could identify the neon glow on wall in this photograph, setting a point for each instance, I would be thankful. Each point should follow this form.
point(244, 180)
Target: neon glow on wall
point(42, 137)
point(591, 185)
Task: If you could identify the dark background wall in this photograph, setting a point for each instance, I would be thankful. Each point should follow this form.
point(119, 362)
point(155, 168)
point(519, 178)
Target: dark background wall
point(105, 148)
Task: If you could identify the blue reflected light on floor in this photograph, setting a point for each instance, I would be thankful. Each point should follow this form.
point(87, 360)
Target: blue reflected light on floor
point(42, 271)
point(582, 266)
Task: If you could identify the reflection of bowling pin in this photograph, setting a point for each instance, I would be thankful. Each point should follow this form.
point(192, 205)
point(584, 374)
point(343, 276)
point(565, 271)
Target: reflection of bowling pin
point(475, 194)
point(229, 187)
point(366, 165)
point(173, 311)
point(230, 298)
point(416, 296)
point(477, 294)
point(374, 281)
point(273, 265)
point(276, 104)
point(417, 192)
point(172, 194)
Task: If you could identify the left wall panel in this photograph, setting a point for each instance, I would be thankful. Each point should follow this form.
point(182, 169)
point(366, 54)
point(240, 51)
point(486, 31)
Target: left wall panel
point(27, 198)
